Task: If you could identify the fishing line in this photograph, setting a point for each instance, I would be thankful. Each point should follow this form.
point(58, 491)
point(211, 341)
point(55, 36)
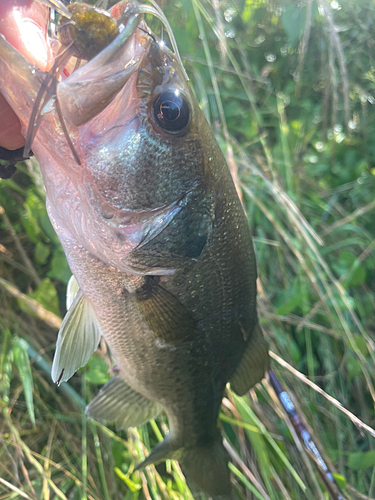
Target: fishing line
point(170, 34)
point(159, 14)
point(47, 84)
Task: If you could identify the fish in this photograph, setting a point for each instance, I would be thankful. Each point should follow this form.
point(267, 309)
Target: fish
point(156, 238)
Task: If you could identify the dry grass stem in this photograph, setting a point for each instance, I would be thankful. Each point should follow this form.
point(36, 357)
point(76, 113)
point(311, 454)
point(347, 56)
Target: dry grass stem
point(356, 421)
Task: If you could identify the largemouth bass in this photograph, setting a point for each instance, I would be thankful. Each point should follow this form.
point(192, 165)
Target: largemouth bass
point(146, 210)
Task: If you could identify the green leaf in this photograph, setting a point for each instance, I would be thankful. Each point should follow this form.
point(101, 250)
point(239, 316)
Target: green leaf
point(120, 453)
point(59, 267)
point(46, 295)
point(47, 227)
point(6, 362)
point(250, 9)
point(346, 258)
point(245, 481)
point(353, 366)
point(294, 20)
point(295, 351)
point(361, 343)
point(97, 371)
point(361, 461)
point(129, 483)
point(33, 210)
point(340, 480)
point(357, 275)
point(290, 305)
point(22, 362)
point(41, 253)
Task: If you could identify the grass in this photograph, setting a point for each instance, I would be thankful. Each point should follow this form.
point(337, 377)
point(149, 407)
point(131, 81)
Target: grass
point(303, 165)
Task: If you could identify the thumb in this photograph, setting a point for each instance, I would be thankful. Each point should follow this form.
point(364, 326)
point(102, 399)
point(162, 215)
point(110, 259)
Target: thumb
point(24, 24)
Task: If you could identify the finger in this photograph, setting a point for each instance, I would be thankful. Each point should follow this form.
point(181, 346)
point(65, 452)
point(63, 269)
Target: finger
point(10, 127)
point(24, 24)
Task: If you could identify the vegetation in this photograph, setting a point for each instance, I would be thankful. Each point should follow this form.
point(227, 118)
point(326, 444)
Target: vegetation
point(289, 90)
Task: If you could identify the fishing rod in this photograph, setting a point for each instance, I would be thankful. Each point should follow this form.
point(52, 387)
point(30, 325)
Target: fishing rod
point(305, 437)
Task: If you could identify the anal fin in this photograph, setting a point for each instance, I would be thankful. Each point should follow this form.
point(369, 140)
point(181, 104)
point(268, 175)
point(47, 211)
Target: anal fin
point(120, 403)
point(254, 363)
point(162, 451)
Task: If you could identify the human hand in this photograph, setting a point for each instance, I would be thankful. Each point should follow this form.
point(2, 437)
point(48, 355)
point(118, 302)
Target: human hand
point(24, 24)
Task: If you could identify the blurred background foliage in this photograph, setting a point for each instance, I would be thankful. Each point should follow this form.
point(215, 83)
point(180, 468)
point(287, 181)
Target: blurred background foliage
point(289, 90)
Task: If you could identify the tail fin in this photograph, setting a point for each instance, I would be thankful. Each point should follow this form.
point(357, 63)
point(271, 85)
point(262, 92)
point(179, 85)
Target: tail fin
point(204, 463)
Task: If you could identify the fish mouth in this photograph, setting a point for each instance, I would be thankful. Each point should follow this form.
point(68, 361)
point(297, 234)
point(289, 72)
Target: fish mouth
point(91, 88)
point(78, 95)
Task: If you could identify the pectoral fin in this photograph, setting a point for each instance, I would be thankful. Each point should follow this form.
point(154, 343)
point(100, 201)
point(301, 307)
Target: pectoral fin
point(166, 316)
point(253, 365)
point(71, 291)
point(118, 402)
point(78, 338)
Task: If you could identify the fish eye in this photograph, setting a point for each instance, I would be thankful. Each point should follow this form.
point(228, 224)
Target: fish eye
point(171, 111)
